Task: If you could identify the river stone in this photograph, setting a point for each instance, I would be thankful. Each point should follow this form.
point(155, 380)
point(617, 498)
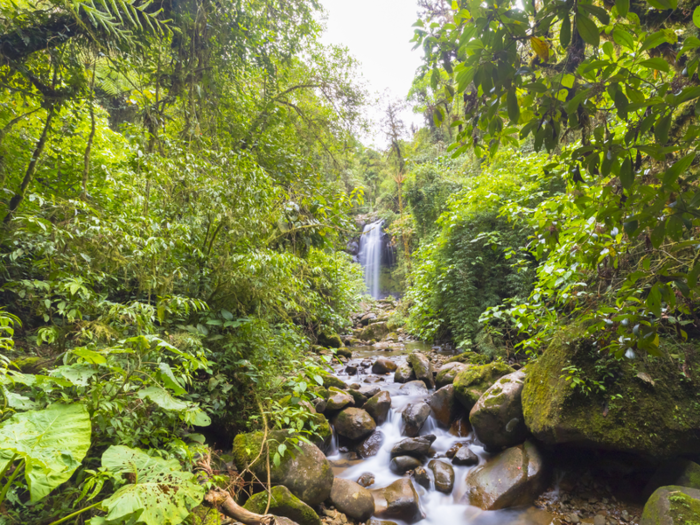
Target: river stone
point(471, 383)
point(417, 446)
point(305, 472)
point(414, 388)
point(464, 457)
point(378, 406)
point(414, 417)
point(329, 380)
point(380, 522)
point(358, 397)
point(354, 423)
point(338, 399)
point(364, 321)
point(383, 366)
point(281, 520)
point(366, 480)
point(468, 358)
point(319, 404)
point(402, 464)
point(443, 474)
point(283, 503)
point(351, 370)
point(370, 445)
point(497, 418)
point(370, 391)
point(374, 331)
point(658, 420)
point(446, 373)
point(423, 368)
point(679, 472)
point(421, 476)
point(404, 373)
point(445, 408)
point(329, 340)
point(513, 477)
point(352, 499)
point(399, 500)
point(323, 434)
point(672, 505)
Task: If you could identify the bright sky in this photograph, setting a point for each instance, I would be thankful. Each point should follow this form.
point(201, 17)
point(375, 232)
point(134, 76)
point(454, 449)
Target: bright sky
point(378, 34)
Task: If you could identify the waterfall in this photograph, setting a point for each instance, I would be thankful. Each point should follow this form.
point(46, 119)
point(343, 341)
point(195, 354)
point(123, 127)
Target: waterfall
point(370, 256)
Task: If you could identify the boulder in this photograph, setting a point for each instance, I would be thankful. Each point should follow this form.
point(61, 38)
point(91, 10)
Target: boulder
point(351, 370)
point(344, 352)
point(497, 418)
point(402, 464)
point(319, 404)
point(443, 474)
point(672, 505)
point(468, 358)
point(464, 457)
point(680, 472)
point(404, 373)
point(353, 341)
point(421, 476)
point(383, 366)
point(358, 397)
point(354, 423)
point(418, 447)
point(366, 480)
point(329, 340)
point(329, 380)
point(399, 500)
point(370, 445)
point(283, 503)
point(378, 406)
point(338, 399)
point(444, 407)
point(471, 383)
point(323, 433)
point(446, 373)
point(414, 417)
point(423, 368)
point(364, 321)
point(374, 331)
point(514, 477)
point(305, 472)
point(414, 388)
point(352, 499)
point(655, 415)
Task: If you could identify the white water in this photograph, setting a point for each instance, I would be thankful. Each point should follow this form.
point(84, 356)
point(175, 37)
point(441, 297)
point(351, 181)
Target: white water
point(370, 256)
point(438, 508)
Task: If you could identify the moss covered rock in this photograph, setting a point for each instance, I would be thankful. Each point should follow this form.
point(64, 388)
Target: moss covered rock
point(338, 399)
point(354, 424)
point(344, 352)
point(305, 472)
point(330, 380)
point(672, 505)
point(446, 373)
point(470, 384)
point(330, 340)
point(283, 503)
point(468, 358)
point(404, 373)
point(374, 331)
point(423, 368)
point(323, 434)
point(648, 407)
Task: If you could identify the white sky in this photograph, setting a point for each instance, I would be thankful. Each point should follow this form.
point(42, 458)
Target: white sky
point(378, 33)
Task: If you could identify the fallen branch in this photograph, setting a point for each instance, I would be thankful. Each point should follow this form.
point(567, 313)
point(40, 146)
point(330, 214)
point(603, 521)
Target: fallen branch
point(222, 500)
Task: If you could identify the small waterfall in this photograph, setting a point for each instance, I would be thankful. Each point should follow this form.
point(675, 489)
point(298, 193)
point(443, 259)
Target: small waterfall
point(370, 256)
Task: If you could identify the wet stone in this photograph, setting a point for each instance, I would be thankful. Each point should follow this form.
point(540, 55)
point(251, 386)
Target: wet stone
point(366, 480)
point(402, 464)
point(421, 476)
point(414, 417)
point(416, 447)
point(371, 445)
point(464, 457)
point(443, 474)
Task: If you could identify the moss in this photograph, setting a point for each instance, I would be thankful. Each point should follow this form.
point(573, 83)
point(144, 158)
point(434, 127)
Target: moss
point(330, 340)
point(205, 516)
point(672, 505)
point(471, 383)
point(344, 352)
point(374, 331)
point(469, 358)
point(489, 346)
point(628, 415)
point(330, 380)
point(684, 509)
point(283, 503)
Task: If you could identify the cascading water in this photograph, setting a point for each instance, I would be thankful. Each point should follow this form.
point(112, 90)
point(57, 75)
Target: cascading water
point(370, 256)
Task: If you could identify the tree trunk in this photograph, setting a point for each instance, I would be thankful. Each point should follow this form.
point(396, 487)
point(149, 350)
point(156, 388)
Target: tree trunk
point(222, 500)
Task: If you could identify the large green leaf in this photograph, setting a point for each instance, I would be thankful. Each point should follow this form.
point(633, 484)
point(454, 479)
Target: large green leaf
point(162, 398)
point(158, 493)
point(52, 442)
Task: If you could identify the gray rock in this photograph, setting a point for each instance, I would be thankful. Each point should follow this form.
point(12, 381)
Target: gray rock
point(352, 499)
point(354, 423)
point(358, 397)
point(672, 505)
point(514, 477)
point(464, 457)
point(443, 474)
point(338, 399)
point(497, 418)
point(366, 480)
point(414, 417)
point(423, 368)
point(399, 500)
point(414, 388)
point(370, 391)
point(383, 366)
point(370, 445)
point(402, 464)
point(378, 406)
point(444, 406)
point(417, 447)
point(404, 373)
point(446, 373)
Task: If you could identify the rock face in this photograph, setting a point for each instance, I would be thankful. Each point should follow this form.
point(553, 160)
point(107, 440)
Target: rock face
point(351, 499)
point(402, 464)
point(672, 505)
point(514, 477)
point(371, 445)
point(443, 474)
point(374, 331)
point(645, 421)
point(338, 399)
point(446, 373)
point(444, 406)
point(378, 406)
point(416, 447)
point(404, 373)
point(354, 423)
point(681, 472)
point(414, 417)
point(383, 366)
point(399, 500)
point(497, 418)
point(471, 383)
point(423, 368)
point(283, 503)
point(306, 473)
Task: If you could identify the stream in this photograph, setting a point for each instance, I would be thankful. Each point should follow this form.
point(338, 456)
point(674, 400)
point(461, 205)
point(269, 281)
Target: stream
point(437, 508)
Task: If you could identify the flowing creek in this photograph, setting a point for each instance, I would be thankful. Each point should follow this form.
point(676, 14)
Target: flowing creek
point(437, 508)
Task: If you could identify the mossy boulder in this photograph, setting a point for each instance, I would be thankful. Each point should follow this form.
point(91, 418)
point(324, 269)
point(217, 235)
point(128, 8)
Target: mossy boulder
point(446, 373)
point(374, 331)
point(672, 505)
point(648, 407)
point(468, 358)
point(354, 424)
point(353, 500)
point(329, 340)
point(423, 368)
point(305, 472)
point(470, 384)
point(330, 380)
point(205, 516)
point(378, 406)
point(681, 472)
point(338, 399)
point(344, 352)
point(322, 430)
point(404, 373)
point(283, 503)
point(31, 365)
point(445, 408)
